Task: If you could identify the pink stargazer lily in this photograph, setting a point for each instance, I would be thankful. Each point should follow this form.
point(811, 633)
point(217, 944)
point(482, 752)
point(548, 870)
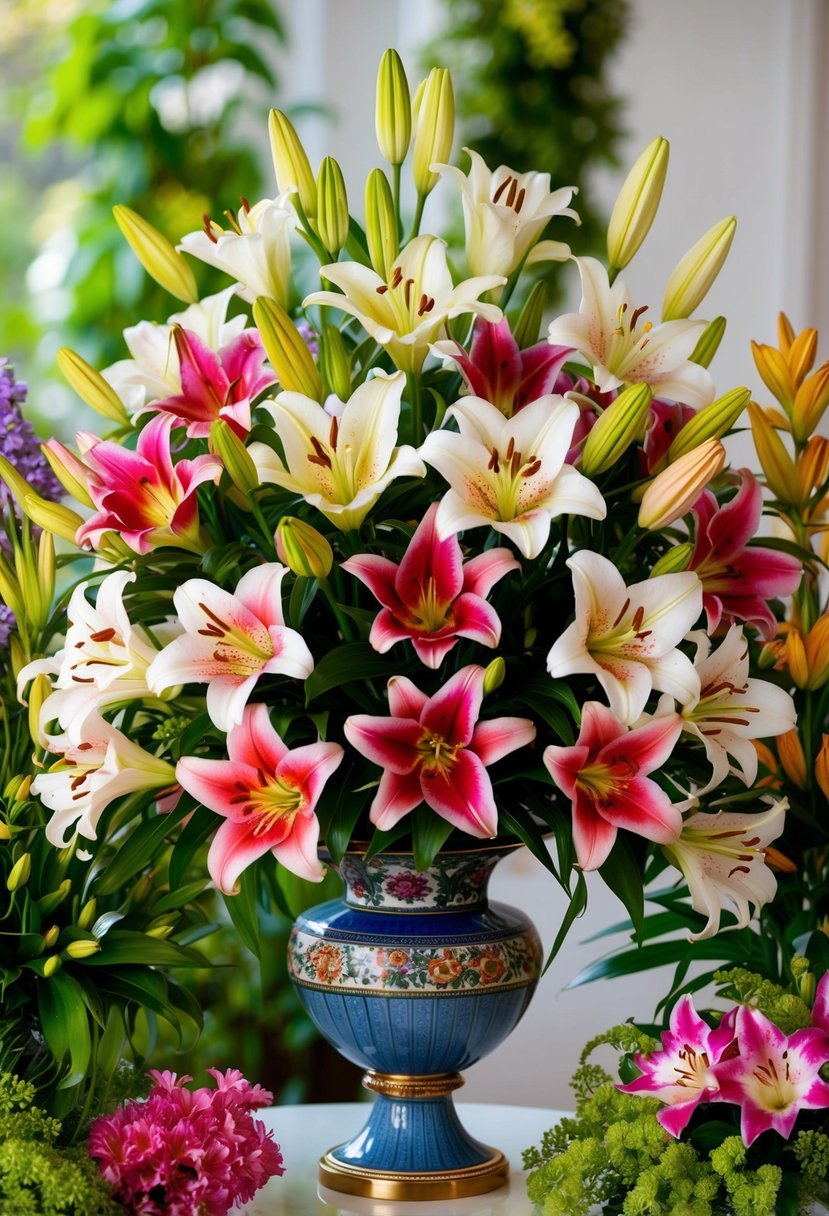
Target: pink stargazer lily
point(230, 641)
point(433, 597)
point(682, 1074)
point(738, 580)
point(434, 750)
point(216, 384)
point(820, 1009)
point(605, 775)
point(267, 794)
point(775, 1076)
point(142, 495)
point(499, 372)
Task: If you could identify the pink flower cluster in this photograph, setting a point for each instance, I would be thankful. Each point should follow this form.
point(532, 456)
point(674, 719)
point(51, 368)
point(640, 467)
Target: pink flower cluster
point(187, 1152)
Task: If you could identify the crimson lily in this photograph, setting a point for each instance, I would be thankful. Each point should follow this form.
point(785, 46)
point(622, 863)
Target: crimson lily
point(498, 371)
point(267, 794)
point(434, 750)
point(142, 495)
point(605, 775)
point(433, 597)
point(216, 384)
point(738, 580)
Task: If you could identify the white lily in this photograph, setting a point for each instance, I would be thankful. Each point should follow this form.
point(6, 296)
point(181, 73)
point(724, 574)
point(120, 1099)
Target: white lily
point(505, 213)
point(340, 463)
point(722, 857)
point(152, 373)
point(625, 349)
point(509, 473)
point(407, 313)
point(731, 710)
point(104, 660)
point(229, 641)
point(90, 774)
point(255, 250)
point(627, 636)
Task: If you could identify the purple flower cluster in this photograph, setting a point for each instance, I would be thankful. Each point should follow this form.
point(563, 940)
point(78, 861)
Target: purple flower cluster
point(18, 442)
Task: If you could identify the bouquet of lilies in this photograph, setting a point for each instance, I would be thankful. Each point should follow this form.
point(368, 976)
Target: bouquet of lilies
point(389, 560)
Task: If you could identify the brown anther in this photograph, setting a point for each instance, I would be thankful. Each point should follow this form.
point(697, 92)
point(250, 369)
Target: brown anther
point(244, 204)
point(103, 635)
point(83, 680)
point(636, 315)
point(519, 202)
point(334, 433)
point(207, 224)
point(382, 289)
point(397, 277)
point(502, 188)
point(638, 618)
point(407, 291)
point(320, 457)
point(511, 193)
point(510, 449)
point(493, 462)
point(217, 620)
point(622, 612)
point(739, 870)
point(421, 306)
point(515, 464)
point(84, 747)
point(221, 658)
point(531, 469)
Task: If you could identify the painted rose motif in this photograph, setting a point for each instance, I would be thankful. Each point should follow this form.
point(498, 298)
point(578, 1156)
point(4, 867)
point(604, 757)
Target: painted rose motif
point(398, 958)
point(408, 886)
point(490, 965)
point(444, 970)
point(327, 962)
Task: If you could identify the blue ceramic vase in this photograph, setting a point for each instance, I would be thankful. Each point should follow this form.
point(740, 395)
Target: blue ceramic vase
point(415, 976)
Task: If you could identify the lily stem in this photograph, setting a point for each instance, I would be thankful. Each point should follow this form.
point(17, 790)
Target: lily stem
point(421, 203)
point(398, 219)
point(417, 408)
point(342, 620)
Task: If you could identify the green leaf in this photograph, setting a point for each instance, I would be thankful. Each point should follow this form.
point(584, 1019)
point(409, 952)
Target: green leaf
point(352, 661)
point(576, 907)
point(130, 946)
point(525, 828)
point(623, 875)
point(138, 850)
point(643, 958)
point(65, 1023)
point(711, 1133)
point(180, 896)
point(244, 910)
point(193, 836)
point(429, 834)
point(381, 841)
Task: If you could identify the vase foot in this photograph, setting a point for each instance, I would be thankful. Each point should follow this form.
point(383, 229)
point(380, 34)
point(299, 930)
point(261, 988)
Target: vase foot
point(407, 1187)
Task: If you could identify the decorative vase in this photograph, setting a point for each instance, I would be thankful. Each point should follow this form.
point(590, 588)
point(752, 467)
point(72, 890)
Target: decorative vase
point(415, 976)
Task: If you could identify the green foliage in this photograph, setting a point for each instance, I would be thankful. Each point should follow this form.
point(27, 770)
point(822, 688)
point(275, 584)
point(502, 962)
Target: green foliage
point(787, 1010)
point(811, 1149)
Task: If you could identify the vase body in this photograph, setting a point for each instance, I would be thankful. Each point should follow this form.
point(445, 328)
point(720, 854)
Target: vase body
point(415, 976)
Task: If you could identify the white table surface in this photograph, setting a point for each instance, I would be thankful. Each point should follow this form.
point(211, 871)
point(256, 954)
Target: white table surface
point(304, 1133)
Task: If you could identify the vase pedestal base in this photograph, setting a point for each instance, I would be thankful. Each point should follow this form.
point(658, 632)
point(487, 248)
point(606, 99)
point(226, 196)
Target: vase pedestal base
point(405, 1187)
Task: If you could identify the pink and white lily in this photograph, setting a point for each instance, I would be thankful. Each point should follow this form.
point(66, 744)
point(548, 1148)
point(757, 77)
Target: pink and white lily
point(267, 794)
point(721, 857)
point(775, 1076)
point(605, 775)
point(230, 641)
point(505, 213)
point(510, 473)
point(433, 597)
point(499, 372)
point(627, 636)
point(739, 579)
point(142, 495)
point(340, 464)
point(683, 1073)
point(255, 250)
point(623, 349)
point(731, 710)
point(407, 313)
point(434, 750)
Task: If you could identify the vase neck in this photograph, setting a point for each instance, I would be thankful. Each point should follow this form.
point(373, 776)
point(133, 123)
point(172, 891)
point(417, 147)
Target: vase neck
point(391, 883)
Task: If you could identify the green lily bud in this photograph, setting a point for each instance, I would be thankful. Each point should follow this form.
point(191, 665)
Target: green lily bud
point(528, 326)
point(695, 273)
point(91, 387)
point(434, 128)
point(234, 456)
point(303, 549)
point(393, 112)
point(160, 932)
point(709, 342)
point(615, 430)
point(494, 675)
point(12, 787)
point(637, 203)
point(20, 872)
point(807, 987)
point(290, 162)
point(332, 207)
point(47, 904)
point(155, 253)
point(711, 422)
point(51, 966)
point(87, 917)
point(50, 937)
point(82, 949)
point(335, 363)
point(381, 225)
point(288, 353)
point(674, 561)
point(5, 831)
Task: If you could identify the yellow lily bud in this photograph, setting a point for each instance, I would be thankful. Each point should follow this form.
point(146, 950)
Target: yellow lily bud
point(20, 872)
point(776, 462)
point(775, 374)
point(790, 751)
point(10, 591)
point(72, 473)
point(160, 932)
point(675, 490)
point(24, 788)
point(795, 653)
point(291, 163)
point(785, 332)
point(88, 913)
point(234, 456)
point(434, 128)
point(615, 429)
point(393, 112)
point(46, 572)
point(48, 903)
point(303, 549)
point(528, 326)
point(709, 342)
point(288, 353)
point(381, 224)
point(51, 936)
point(159, 258)
point(53, 516)
point(332, 207)
point(800, 355)
point(335, 364)
point(822, 766)
point(494, 675)
point(91, 387)
point(810, 403)
point(813, 466)
point(637, 203)
point(674, 561)
point(695, 273)
point(711, 422)
point(19, 657)
point(5, 831)
point(51, 966)
point(41, 688)
point(82, 949)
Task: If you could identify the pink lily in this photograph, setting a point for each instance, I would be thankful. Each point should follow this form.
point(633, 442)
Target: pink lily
point(229, 641)
point(775, 1076)
point(216, 384)
point(434, 750)
point(433, 597)
point(665, 420)
point(682, 1074)
point(267, 794)
point(605, 775)
point(738, 579)
point(497, 370)
point(820, 1009)
point(142, 495)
